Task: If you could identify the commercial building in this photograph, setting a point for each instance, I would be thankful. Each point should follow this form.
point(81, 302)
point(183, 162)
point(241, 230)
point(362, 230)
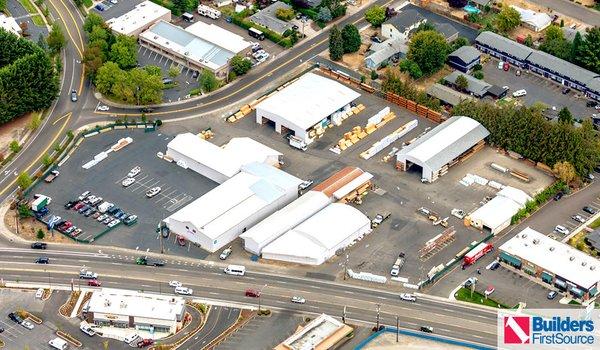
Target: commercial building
point(319, 238)
point(555, 263)
point(139, 19)
point(447, 95)
point(322, 333)
point(464, 58)
point(536, 21)
point(10, 25)
point(541, 63)
point(158, 314)
point(495, 215)
point(442, 147)
point(233, 207)
point(400, 25)
point(200, 46)
point(267, 18)
point(305, 107)
point(219, 163)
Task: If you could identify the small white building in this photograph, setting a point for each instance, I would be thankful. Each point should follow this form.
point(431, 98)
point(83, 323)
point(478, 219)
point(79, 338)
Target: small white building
point(10, 25)
point(496, 214)
point(233, 207)
point(142, 17)
point(441, 146)
point(219, 163)
point(130, 309)
point(305, 104)
point(324, 332)
point(283, 220)
point(319, 238)
point(536, 21)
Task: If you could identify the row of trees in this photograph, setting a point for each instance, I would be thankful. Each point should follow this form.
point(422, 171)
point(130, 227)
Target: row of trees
point(28, 77)
point(524, 130)
point(393, 82)
point(584, 51)
point(343, 41)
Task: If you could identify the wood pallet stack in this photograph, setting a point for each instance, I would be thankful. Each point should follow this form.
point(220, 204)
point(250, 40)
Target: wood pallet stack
point(358, 133)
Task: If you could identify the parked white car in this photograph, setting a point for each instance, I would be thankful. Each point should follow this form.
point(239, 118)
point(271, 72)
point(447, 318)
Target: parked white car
point(519, 93)
point(175, 284)
point(134, 172)
point(114, 223)
point(27, 324)
point(128, 182)
point(153, 191)
point(561, 229)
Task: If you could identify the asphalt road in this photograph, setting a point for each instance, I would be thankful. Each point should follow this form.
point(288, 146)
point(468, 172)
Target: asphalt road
point(219, 319)
point(571, 9)
point(454, 320)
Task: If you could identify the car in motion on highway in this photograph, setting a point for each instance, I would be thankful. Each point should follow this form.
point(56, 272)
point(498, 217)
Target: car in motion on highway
point(74, 95)
point(426, 329)
point(175, 284)
point(94, 283)
point(184, 291)
point(254, 293)
point(153, 191)
point(88, 275)
point(408, 297)
point(103, 108)
point(298, 300)
point(42, 260)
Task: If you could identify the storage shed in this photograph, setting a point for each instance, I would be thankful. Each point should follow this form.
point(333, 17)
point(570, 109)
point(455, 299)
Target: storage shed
point(496, 214)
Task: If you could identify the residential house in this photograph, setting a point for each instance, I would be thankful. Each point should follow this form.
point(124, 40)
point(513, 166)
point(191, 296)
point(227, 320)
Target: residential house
point(447, 30)
point(536, 21)
point(475, 87)
point(267, 18)
point(447, 95)
point(464, 58)
point(400, 26)
point(382, 52)
point(481, 4)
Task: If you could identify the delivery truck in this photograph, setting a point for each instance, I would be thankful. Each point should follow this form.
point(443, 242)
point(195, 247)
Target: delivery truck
point(39, 202)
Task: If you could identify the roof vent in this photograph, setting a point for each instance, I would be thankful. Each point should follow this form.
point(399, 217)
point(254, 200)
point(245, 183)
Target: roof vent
point(524, 235)
point(155, 37)
point(551, 249)
point(536, 241)
point(583, 263)
point(187, 53)
point(571, 258)
point(592, 268)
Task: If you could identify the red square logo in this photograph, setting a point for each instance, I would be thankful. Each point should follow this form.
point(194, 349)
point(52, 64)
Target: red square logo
point(516, 329)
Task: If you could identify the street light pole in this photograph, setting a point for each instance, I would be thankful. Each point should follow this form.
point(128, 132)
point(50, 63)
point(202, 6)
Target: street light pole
point(378, 308)
point(397, 328)
point(259, 294)
point(346, 266)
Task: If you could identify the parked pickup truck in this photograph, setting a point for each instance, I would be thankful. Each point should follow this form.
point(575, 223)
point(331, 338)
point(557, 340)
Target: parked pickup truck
point(379, 218)
point(53, 175)
point(397, 265)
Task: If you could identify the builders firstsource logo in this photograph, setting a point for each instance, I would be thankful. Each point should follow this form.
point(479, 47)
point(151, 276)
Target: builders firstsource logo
point(571, 331)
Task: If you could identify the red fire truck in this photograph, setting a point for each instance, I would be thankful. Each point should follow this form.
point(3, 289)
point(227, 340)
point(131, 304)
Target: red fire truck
point(476, 253)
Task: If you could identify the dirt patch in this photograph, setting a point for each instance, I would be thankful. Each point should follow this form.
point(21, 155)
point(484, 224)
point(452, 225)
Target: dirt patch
point(425, 83)
point(13, 130)
point(387, 341)
point(29, 227)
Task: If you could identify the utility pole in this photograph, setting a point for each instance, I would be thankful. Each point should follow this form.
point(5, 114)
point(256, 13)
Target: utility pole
point(397, 328)
point(346, 266)
point(259, 294)
point(378, 308)
point(344, 315)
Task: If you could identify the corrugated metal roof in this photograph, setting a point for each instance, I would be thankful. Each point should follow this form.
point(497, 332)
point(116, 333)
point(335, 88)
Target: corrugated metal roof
point(561, 67)
point(447, 94)
point(502, 44)
point(275, 176)
point(466, 54)
point(338, 180)
point(445, 142)
point(476, 86)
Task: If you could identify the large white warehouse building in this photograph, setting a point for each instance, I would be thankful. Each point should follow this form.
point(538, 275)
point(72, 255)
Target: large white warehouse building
point(435, 151)
point(283, 220)
point(219, 163)
point(304, 104)
point(318, 238)
point(496, 214)
point(233, 207)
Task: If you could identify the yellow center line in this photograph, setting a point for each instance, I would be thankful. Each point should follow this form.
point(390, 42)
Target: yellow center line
point(35, 161)
point(61, 118)
point(76, 27)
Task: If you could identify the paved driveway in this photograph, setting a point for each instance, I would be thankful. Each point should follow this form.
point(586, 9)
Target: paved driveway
point(21, 15)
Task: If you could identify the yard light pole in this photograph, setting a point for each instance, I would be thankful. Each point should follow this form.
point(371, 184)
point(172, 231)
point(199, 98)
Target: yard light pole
point(259, 294)
point(397, 328)
point(346, 266)
point(378, 308)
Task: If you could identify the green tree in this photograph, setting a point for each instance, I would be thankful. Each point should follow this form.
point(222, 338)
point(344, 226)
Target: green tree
point(91, 20)
point(554, 32)
point(207, 81)
point(324, 15)
point(576, 48)
point(124, 51)
point(425, 26)
point(508, 19)
point(93, 60)
point(478, 74)
point(336, 44)
point(528, 41)
point(24, 211)
point(351, 38)
point(14, 146)
point(24, 180)
point(46, 160)
point(284, 14)
point(173, 71)
point(240, 65)
point(461, 82)
point(459, 42)
point(411, 68)
point(78, 2)
point(564, 171)
point(35, 121)
point(565, 116)
point(560, 48)
point(589, 56)
point(374, 75)
point(2, 5)
point(375, 15)
point(40, 234)
point(107, 77)
point(428, 49)
point(41, 41)
point(56, 39)
point(98, 32)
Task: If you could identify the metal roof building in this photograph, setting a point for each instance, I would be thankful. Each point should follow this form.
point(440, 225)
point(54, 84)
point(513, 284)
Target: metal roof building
point(317, 239)
point(303, 104)
point(475, 86)
point(441, 145)
point(447, 94)
point(537, 21)
point(139, 19)
point(496, 214)
point(464, 58)
point(233, 207)
point(556, 263)
point(10, 25)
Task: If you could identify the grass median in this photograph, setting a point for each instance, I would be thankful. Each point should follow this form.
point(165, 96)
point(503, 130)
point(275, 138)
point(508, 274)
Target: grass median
point(464, 294)
point(35, 16)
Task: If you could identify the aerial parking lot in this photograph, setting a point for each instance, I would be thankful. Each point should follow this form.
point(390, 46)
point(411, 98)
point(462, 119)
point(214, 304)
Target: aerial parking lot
point(177, 188)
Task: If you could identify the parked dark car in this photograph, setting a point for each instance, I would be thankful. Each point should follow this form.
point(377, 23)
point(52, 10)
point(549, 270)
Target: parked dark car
point(589, 210)
point(591, 104)
point(566, 90)
point(495, 265)
point(558, 196)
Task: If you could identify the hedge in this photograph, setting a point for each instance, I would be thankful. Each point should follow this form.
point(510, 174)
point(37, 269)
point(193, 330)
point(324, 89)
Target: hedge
point(541, 198)
point(239, 20)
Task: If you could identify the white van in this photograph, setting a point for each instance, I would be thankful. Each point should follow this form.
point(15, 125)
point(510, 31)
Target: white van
point(235, 270)
point(85, 328)
point(59, 344)
point(131, 338)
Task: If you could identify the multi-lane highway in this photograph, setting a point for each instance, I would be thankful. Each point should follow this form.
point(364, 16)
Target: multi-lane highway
point(449, 319)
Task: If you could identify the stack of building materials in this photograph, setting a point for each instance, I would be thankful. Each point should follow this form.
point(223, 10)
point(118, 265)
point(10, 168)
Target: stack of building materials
point(389, 139)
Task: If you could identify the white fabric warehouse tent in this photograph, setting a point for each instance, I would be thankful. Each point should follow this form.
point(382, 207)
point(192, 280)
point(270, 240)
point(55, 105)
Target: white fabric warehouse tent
point(318, 238)
point(271, 228)
point(496, 214)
